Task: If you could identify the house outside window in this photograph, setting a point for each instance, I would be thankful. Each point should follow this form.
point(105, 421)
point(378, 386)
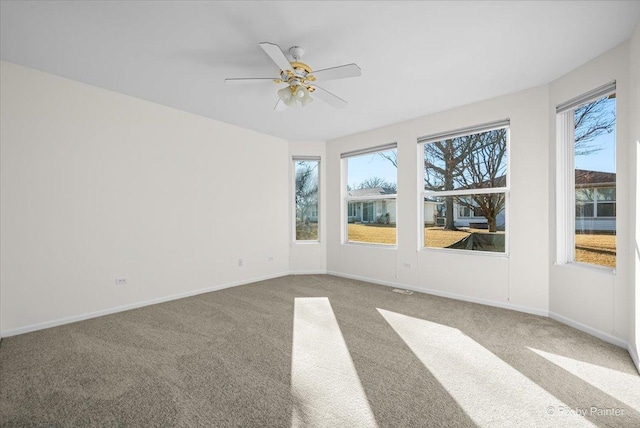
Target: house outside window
point(586, 179)
point(466, 190)
point(370, 182)
point(467, 208)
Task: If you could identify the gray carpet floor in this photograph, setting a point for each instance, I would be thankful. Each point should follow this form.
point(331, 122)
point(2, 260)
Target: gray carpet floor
point(225, 359)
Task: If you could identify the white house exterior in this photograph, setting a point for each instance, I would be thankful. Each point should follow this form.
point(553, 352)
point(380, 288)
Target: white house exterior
point(463, 216)
point(431, 212)
point(375, 205)
point(595, 201)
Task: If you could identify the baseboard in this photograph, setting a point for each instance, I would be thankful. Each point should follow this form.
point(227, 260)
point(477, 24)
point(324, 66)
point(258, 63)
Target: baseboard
point(89, 315)
point(590, 330)
point(308, 272)
point(634, 356)
point(439, 293)
point(568, 321)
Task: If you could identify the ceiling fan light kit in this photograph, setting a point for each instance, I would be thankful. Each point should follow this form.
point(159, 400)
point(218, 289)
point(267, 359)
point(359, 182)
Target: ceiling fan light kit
point(300, 78)
point(291, 95)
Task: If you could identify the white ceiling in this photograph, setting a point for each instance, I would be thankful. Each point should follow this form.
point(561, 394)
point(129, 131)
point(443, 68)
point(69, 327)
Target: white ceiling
point(416, 57)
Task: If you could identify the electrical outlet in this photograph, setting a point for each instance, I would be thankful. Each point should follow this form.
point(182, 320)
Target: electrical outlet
point(240, 262)
point(407, 265)
point(121, 281)
point(270, 259)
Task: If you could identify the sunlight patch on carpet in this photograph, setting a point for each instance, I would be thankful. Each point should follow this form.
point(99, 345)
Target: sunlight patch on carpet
point(621, 386)
point(490, 391)
point(324, 382)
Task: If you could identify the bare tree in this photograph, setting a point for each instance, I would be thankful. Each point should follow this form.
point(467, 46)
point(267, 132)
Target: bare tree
point(485, 166)
point(306, 188)
point(479, 160)
point(374, 182)
point(391, 156)
point(590, 121)
point(442, 164)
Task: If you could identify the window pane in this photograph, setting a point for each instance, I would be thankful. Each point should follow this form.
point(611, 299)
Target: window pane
point(372, 221)
point(595, 178)
point(372, 175)
point(484, 232)
point(608, 194)
point(584, 210)
point(306, 200)
point(584, 195)
point(606, 209)
point(469, 162)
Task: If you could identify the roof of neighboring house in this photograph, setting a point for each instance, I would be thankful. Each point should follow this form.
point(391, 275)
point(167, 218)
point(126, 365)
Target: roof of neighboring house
point(586, 178)
point(373, 191)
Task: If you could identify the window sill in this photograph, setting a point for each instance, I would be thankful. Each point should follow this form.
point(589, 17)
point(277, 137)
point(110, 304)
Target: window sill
point(465, 252)
point(587, 266)
point(309, 242)
point(369, 244)
point(611, 217)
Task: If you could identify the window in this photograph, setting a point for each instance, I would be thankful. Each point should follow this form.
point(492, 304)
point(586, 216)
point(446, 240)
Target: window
point(465, 179)
point(306, 198)
point(606, 202)
point(586, 179)
point(371, 190)
point(595, 202)
point(468, 208)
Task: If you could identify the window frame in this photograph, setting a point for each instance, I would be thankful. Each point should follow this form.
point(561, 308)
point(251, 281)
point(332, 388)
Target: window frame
point(565, 179)
point(294, 160)
point(423, 194)
point(346, 199)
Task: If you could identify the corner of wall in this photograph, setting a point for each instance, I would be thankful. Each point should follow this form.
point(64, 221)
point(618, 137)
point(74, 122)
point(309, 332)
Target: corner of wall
point(634, 195)
point(586, 298)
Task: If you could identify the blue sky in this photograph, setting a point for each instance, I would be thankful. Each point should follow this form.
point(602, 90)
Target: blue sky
point(366, 166)
point(603, 160)
point(363, 167)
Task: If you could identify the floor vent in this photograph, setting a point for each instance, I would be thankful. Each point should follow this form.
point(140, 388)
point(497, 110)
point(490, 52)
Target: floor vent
point(397, 290)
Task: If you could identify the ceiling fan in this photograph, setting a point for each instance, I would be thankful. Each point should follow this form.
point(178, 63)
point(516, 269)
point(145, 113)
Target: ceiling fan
point(300, 78)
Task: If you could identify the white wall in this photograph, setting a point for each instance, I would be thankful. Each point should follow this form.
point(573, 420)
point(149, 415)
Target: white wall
point(309, 257)
point(634, 171)
point(518, 281)
point(97, 184)
point(592, 298)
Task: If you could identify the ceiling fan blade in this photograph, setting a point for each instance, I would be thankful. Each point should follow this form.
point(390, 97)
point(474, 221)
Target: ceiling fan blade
point(276, 55)
point(280, 106)
point(236, 80)
point(329, 98)
point(340, 72)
